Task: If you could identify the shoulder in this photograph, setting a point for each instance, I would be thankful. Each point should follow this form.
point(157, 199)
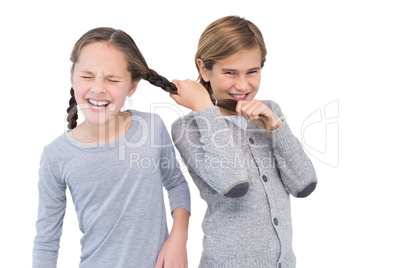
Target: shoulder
point(145, 115)
point(151, 119)
point(183, 121)
point(56, 153)
point(58, 145)
point(185, 124)
point(150, 125)
point(198, 119)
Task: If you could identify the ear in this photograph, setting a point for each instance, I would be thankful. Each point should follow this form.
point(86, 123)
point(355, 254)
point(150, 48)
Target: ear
point(204, 72)
point(133, 88)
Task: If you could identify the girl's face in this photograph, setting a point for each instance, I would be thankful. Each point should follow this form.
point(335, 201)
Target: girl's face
point(236, 77)
point(101, 82)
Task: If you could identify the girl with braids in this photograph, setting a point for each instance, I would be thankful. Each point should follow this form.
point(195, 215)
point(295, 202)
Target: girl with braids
point(114, 172)
point(245, 161)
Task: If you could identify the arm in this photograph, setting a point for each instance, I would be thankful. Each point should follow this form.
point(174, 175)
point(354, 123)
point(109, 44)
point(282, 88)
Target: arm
point(173, 252)
point(52, 204)
point(207, 144)
point(172, 178)
point(295, 168)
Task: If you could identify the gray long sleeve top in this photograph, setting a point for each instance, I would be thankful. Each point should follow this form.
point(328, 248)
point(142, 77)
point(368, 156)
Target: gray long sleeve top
point(245, 177)
point(117, 190)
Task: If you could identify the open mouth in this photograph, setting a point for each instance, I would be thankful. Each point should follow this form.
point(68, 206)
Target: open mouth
point(238, 96)
point(98, 105)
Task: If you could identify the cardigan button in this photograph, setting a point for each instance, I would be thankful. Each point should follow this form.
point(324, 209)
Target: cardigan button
point(279, 265)
point(264, 178)
point(276, 222)
point(251, 140)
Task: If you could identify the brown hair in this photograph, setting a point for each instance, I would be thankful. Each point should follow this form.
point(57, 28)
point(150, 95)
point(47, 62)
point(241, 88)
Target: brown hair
point(225, 37)
point(136, 63)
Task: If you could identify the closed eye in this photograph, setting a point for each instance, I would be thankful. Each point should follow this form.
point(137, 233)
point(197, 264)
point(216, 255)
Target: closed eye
point(113, 81)
point(254, 70)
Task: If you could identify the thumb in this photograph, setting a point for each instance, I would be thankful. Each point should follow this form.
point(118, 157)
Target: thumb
point(176, 83)
point(175, 97)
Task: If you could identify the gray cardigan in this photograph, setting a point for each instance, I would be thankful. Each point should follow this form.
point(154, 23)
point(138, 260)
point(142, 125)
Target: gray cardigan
point(245, 178)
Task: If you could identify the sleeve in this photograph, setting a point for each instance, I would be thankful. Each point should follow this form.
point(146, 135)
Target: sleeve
point(172, 178)
point(205, 142)
point(52, 204)
point(295, 168)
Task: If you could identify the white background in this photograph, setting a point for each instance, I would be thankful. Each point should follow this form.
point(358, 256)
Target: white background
point(346, 55)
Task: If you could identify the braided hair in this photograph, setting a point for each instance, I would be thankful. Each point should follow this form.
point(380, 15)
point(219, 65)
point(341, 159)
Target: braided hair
point(157, 80)
point(72, 113)
point(136, 65)
point(160, 81)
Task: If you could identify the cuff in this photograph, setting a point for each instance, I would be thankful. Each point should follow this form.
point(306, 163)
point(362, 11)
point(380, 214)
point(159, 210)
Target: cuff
point(239, 189)
point(306, 190)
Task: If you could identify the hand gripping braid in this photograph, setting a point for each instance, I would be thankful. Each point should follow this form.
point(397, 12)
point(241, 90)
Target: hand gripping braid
point(157, 80)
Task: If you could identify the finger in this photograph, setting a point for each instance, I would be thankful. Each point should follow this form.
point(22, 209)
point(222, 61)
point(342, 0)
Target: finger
point(253, 110)
point(247, 104)
point(238, 108)
point(159, 262)
point(177, 83)
point(175, 97)
point(161, 258)
point(276, 121)
point(250, 110)
point(242, 108)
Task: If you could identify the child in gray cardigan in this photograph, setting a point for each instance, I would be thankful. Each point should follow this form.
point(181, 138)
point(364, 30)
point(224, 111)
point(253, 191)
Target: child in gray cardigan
point(246, 161)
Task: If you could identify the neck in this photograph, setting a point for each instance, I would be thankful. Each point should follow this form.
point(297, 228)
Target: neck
point(100, 134)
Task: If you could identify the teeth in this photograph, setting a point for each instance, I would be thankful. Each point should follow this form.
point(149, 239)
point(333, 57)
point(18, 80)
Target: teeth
point(238, 96)
point(98, 103)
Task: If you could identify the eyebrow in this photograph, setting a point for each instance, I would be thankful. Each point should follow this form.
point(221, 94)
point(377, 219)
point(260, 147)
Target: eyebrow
point(108, 75)
point(234, 70)
point(87, 72)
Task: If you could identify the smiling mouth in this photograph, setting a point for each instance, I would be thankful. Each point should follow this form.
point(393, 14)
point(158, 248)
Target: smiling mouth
point(239, 97)
point(98, 104)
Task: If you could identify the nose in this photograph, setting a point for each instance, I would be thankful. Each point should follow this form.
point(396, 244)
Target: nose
point(98, 86)
point(241, 83)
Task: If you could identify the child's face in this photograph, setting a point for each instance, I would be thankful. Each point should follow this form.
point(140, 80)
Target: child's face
point(236, 77)
point(101, 82)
